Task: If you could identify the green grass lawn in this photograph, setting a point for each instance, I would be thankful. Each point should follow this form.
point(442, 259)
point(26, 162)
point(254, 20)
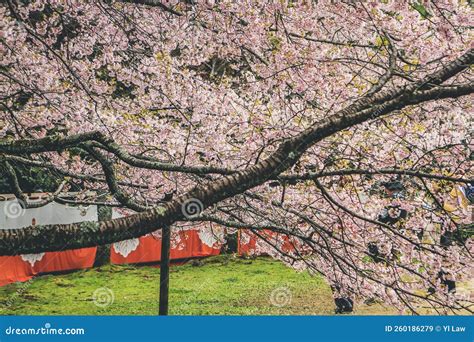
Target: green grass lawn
point(220, 285)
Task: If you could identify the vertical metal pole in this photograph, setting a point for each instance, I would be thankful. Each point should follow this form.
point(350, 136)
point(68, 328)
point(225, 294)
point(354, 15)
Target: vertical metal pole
point(165, 270)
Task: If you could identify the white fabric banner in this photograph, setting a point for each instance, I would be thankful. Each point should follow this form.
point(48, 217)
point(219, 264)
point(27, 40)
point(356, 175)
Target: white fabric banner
point(13, 216)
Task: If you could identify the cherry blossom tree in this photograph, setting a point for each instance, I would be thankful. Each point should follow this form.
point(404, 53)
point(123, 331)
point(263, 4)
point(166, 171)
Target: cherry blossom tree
point(336, 132)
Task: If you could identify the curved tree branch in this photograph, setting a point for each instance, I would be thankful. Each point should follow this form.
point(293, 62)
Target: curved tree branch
point(345, 172)
point(85, 234)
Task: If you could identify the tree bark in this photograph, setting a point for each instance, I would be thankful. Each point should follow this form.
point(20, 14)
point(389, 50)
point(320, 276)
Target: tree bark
point(87, 234)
